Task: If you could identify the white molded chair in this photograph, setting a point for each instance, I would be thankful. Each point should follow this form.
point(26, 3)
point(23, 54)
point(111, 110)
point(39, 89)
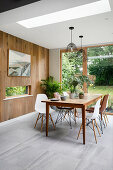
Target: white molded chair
point(63, 111)
point(40, 107)
point(73, 112)
point(91, 118)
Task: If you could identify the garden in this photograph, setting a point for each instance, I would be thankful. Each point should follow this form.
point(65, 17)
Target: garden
point(100, 67)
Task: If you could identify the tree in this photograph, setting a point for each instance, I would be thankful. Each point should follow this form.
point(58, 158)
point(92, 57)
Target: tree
point(100, 51)
point(103, 70)
point(71, 65)
point(101, 67)
point(13, 91)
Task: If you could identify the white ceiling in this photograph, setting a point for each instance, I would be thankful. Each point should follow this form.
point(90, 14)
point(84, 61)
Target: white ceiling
point(96, 29)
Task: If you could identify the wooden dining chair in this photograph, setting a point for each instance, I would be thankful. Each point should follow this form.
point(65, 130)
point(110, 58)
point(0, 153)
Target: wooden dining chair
point(105, 113)
point(102, 112)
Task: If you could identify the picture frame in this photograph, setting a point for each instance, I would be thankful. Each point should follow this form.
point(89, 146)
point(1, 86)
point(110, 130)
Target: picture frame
point(19, 64)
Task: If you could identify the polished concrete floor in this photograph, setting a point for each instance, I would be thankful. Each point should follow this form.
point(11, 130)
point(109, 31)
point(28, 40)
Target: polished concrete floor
point(24, 148)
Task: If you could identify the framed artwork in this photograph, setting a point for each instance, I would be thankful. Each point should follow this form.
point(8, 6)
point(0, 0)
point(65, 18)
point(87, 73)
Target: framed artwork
point(19, 64)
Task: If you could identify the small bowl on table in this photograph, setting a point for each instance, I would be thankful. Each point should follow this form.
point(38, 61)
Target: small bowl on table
point(63, 98)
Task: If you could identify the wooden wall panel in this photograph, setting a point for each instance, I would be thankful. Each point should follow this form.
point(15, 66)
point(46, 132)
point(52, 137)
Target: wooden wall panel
point(17, 107)
point(10, 42)
point(1, 39)
point(0, 83)
point(39, 70)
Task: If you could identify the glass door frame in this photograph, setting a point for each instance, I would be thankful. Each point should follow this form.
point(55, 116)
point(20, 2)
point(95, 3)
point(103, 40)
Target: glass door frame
point(84, 62)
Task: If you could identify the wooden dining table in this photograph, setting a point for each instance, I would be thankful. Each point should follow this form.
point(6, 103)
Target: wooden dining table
point(73, 103)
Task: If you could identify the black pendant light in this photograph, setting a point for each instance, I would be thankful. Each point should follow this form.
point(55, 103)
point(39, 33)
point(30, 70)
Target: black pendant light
point(71, 46)
point(82, 51)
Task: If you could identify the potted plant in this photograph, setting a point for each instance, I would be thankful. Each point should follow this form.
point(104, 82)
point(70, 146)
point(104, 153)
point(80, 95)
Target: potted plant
point(81, 95)
point(73, 82)
point(72, 92)
point(50, 86)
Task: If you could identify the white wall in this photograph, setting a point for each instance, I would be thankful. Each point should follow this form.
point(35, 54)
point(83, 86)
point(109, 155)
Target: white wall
point(54, 63)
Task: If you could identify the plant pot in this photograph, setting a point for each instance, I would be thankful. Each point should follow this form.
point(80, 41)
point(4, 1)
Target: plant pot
point(81, 96)
point(72, 95)
point(76, 94)
point(63, 98)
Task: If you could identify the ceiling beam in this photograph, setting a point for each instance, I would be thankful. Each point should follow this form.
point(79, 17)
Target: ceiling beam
point(6, 5)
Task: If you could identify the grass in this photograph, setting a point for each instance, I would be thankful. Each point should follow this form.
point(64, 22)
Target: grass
point(102, 90)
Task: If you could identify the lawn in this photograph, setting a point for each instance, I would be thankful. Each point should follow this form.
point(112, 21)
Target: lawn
point(102, 90)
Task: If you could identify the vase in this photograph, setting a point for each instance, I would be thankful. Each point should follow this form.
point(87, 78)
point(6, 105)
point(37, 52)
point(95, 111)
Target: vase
point(81, 96)
point(72, 95)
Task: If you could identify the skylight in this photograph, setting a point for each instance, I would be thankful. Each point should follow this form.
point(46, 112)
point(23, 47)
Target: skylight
point(94, 8)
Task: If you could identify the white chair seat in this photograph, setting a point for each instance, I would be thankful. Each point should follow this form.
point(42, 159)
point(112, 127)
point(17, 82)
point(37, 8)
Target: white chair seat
point(43, 110)
point(88, 115)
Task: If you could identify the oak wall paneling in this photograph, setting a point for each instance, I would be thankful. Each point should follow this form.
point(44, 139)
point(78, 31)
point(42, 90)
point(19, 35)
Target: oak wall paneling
point(12, 108)
point(0, 83)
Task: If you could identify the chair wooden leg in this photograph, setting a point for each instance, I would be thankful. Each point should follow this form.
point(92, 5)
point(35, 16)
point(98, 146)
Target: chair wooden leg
point(65, 115)
point(52, 121)
point(68, 113)
point(94, 131)
point(97, 127)
point(79, 132)
point(75, 114)
point(105, 119)
point(37, 120)
point(42, 123)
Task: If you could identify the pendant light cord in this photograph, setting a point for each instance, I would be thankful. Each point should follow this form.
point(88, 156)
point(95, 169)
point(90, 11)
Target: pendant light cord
point(71, 36)
point(81, 43)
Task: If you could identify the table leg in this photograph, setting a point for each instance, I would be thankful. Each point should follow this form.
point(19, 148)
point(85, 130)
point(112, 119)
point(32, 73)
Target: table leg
point(83, 122)
point(47, 118)
point(101, 116)
point(75, 112)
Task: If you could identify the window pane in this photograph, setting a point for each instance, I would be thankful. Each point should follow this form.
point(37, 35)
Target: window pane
point(71, 66)
point(14, 91)
point(100, 70)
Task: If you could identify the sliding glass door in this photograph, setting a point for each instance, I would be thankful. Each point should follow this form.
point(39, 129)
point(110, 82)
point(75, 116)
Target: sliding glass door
point(100, 71)
point(72, 66)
